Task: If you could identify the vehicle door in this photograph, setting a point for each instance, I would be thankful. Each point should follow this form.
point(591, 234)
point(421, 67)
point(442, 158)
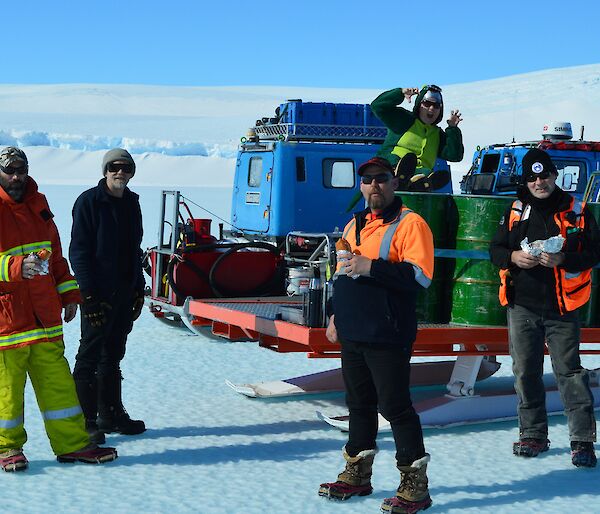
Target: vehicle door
point(252, 191)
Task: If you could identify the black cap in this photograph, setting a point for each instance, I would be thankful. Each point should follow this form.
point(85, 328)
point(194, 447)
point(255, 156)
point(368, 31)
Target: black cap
point(380, 162)
point(536, 161)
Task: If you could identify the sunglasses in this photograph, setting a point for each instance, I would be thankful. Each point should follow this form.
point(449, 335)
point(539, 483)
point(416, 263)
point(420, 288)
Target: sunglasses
point(11, 170)
point(380, 178)
point(543, 176)
point(115, 167)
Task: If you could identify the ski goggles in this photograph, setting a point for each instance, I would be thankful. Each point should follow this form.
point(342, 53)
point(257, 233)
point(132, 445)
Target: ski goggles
point(115, 167)
point(11, 170)
point(532, 177)
point(380, 178)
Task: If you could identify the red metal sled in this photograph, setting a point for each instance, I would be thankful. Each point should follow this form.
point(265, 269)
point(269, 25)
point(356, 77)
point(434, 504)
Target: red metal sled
point(257, 319)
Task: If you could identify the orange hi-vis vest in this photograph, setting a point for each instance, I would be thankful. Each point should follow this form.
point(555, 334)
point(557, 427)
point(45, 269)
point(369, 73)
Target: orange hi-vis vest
point(572, 289)
point(406, 238)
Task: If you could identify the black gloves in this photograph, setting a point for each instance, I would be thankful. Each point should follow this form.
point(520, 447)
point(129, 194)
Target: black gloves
point(138, 304)
point(94, 311)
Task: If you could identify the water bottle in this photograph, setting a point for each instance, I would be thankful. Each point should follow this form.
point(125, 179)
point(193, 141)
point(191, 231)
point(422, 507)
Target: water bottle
point(314, 316)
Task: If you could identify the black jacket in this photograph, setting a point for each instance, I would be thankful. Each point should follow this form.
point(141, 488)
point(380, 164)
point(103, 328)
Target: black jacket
point(94, 251)
point(380, 308)
point(535, 288)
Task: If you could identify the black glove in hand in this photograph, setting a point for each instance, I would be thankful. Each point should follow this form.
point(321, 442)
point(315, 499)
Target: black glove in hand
point(95, 311)
point(138, 304)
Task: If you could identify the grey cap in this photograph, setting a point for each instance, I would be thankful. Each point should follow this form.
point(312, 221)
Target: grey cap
point(117, 154)
point(12, 154)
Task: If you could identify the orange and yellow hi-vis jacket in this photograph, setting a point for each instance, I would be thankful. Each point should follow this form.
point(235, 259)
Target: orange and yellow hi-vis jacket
point(381, 308)
point(31, 309)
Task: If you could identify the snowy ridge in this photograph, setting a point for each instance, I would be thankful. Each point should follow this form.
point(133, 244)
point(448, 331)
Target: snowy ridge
point(206, 123)
point(92, 143)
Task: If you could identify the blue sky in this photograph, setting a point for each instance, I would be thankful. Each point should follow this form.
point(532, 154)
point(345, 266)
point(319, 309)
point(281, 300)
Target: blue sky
point(333, 43)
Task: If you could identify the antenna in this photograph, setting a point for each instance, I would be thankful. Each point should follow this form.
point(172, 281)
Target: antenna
point(581, 133)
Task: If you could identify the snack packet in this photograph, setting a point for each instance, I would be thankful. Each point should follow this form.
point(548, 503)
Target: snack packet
point(343, 252)
point(43, 256)
point(551, 245)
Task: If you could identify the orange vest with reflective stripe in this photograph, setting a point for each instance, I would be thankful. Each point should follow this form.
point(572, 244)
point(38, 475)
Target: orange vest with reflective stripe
point(572, 289)
point(407, 238)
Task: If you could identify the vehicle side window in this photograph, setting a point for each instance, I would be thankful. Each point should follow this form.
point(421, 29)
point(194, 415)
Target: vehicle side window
point(300, 169)
point(572, 176)
point(255, 171)
point(338, 173)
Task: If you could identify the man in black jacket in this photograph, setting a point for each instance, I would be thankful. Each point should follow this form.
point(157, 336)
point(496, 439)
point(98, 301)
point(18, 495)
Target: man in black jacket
point(106, 257)
point(543, 288)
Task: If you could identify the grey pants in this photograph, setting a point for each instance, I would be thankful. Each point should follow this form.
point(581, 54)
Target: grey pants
point(527, 332)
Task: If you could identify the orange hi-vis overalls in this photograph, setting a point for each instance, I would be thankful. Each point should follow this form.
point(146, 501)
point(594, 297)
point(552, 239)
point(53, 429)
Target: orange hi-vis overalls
point(31, 336)
point(572, 289)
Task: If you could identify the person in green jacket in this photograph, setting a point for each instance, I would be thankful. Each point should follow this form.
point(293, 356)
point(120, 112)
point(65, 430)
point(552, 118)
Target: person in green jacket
point(416, 132)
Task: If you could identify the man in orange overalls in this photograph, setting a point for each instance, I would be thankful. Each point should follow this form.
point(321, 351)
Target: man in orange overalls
point(35, 287)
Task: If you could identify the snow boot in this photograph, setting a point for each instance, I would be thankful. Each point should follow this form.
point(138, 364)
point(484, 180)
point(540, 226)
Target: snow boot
point(91, 454)
point(530, 447)
point(413, 493)
point(13, 460)
point(87, 392)
point(112, 416)
point(427, 183)
point(355, 480)
point(583, 455)
point(405, 169)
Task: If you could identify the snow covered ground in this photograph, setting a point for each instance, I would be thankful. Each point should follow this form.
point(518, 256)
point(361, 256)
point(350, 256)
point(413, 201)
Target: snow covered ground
point(207, 449)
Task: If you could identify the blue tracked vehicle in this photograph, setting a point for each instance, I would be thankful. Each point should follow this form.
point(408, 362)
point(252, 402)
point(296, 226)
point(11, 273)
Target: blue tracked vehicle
point(297, 170)
point(497, 168)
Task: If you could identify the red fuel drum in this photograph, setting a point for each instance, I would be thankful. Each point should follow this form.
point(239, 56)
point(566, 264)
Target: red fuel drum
point(240, 273)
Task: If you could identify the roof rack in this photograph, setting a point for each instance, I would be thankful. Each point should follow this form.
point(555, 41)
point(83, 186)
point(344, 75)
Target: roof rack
point(308, 132)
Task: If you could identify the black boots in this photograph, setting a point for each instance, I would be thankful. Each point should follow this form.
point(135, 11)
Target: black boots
point(87, 391)
point(112, 416)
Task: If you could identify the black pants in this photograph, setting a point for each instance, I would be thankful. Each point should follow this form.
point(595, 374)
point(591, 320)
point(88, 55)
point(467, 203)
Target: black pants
point(101, 349)
point(377, 376)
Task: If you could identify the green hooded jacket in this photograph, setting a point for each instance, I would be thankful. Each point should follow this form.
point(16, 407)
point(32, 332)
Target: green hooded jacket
point(407, 133)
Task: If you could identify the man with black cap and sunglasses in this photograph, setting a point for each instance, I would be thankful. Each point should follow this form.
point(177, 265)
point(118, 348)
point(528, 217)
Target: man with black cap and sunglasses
point(373, 316)
point(106, 256)
point(35, 287)
point(543, 289)
point(414, 141)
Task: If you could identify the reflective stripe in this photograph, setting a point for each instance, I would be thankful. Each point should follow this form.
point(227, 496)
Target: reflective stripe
point(4, 261)
point(386, 240)
point(61, 413)
point(572, 275)
point(420, 276)
point(69, 285)
point(30, 336)
point(350, 225)
point(11, 423)
point(28, 248)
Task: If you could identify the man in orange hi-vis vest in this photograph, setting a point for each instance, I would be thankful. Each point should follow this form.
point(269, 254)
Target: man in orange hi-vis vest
point(543, 288)
point(374, 318)
point(35, 287)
